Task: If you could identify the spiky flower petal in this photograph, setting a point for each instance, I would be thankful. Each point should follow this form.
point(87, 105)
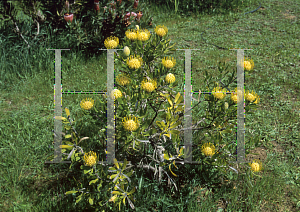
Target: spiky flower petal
point(90, 159)
point(111, 42)
point(87, 104)
point(234, 96)
point(168, 62)
point(134, 62)
point(208, 149)
point(219, 93)
point(123, 79)
point(256, 165)
point(248, 65)
point(143, 35)
point(149, 85)
point(161, 30)
point(131, 34)
point(130, 123)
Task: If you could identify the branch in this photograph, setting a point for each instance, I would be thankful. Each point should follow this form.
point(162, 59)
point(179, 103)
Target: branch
point(21, 34)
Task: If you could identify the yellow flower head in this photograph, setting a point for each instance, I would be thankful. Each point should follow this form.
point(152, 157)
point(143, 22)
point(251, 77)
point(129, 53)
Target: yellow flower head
point(123, 79)
point(256, 165)
point(219, 93)
point(143, 35)
point(90, 159)
point(112, 42)
point(116, 93)
point(131, 34)
point(234, 96)
point(87, 104)
point(149, 85)
point(208, 149)
point(126, 51)
point(250, 96)
point(170, 78)
point(137, 27)
point(161, 30)
point(134, 62)
point(248, 65)
point(168, 63)
point(130, 123)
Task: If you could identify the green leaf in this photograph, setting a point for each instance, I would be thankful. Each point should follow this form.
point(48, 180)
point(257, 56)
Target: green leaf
point(177, 98)
point(166, 156)
point(78, 199)
point(71, 192)
point(120, 100)
point(116, 192)
point(68, 136)
point(87, 171)
point(168, 135)
point(91, 201)
point(170, 102)
point(174, 132)
point(60, 118)
point(67, 127)
point(175, 125)
point(66, 146)
point(93, 181)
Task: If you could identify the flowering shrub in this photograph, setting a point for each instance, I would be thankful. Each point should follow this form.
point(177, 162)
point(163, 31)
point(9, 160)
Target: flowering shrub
point(143, 84)
point(94, 23)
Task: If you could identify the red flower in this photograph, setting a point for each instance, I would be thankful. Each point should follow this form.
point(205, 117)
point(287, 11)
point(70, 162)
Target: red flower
point(139, 15)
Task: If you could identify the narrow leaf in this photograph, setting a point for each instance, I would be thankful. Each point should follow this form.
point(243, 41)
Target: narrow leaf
point(71, 192)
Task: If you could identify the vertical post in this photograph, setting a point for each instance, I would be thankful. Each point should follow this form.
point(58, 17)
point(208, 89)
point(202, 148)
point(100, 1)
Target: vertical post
point(110, 107)
point(240, 106)
point(187, 108)
point(57, 108)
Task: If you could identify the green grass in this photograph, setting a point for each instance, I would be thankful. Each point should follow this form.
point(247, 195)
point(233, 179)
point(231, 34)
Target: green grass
point(26, 121)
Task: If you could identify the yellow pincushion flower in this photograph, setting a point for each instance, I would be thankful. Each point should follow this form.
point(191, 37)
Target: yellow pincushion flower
point(130, 34)
point(256, 165)
point(134, 62)
point(219, 93)
point(161, 30)
point(234, 96)
point(170, 78)
point(168, 63)
point(90, 159)
point(123, 79)
point(112, 42)
point(116, 93)
point(250, 96)
point(248, 65)
point(87, 104)
point(143, 35)
point(208, 149)
point(149, 85)
point(130, 123)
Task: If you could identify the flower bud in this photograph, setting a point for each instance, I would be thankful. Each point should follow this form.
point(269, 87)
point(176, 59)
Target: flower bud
point(126, 51)
point(226, 105)
point(137, 27)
